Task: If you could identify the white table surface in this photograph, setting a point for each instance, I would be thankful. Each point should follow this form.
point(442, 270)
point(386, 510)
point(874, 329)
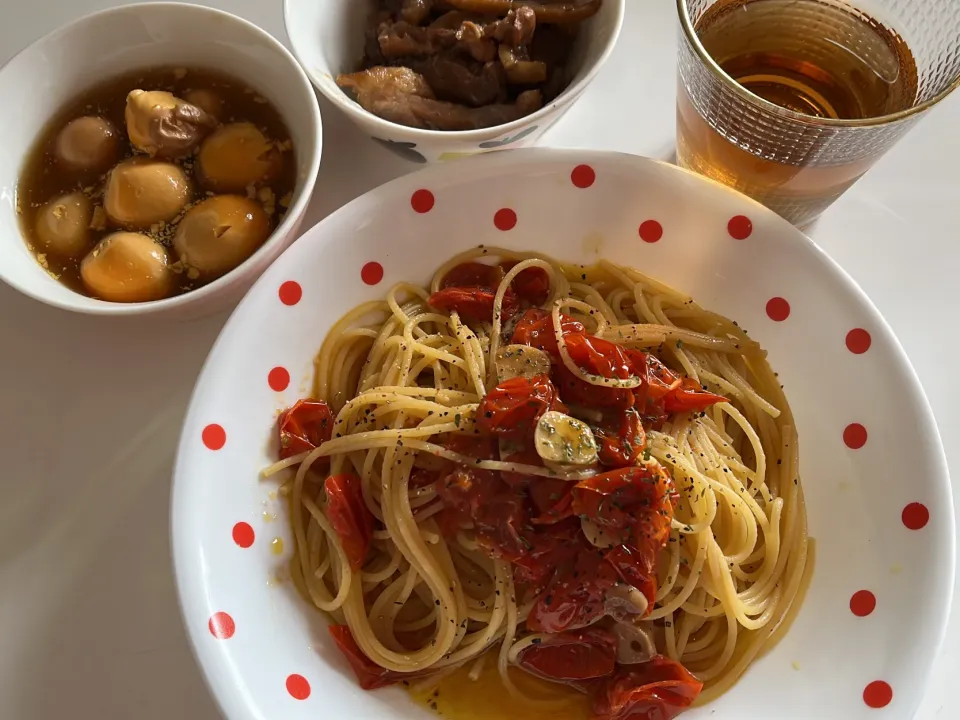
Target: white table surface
point(90, 409)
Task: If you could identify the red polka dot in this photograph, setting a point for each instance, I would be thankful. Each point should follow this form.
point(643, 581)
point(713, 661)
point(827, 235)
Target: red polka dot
point(915, 516)
point(778, 309)
point(862, 603)
point(214, 436)
point(651, 231)
point(290, 292)
point(243, 534)
point(877, 694)
point(583, 176)
point(221, 626)
point(371, 273)
point(505, 219)
point(422, 201)
point(858, 341)
point(854, 436)
point(278, 378)
point(740, 227)
point(298, 687)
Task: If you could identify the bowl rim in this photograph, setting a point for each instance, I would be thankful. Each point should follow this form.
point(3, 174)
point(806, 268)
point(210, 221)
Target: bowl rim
point(190, 587)
point(359, 114)
point(294, 213)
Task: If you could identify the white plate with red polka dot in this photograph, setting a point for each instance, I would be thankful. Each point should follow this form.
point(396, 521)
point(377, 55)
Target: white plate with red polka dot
point(875, 477)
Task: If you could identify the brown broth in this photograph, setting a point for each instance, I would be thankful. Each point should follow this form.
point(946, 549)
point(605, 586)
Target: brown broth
point(42, 178)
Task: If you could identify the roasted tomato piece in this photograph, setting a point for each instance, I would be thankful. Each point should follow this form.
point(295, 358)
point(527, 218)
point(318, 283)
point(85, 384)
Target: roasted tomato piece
point(500, 526)
point(473, 446)
point(637, 498)
point(575, 597)
point(604, 358)
point(473, 275)
point(576, 655)
point(550, 547)
point(532, 284)
point(473, 303)
point(575, 391)
point(535, 328)
point(619, 498)
point(304, 427)
point(350, 516)
point(464, 491)
point(638, 568)
point(660, 378)
point(678, 394)
point(551, 499)
point(690, 397)
point(657, 690)
point(512, 408)
point(522, 453)
point(621, 441)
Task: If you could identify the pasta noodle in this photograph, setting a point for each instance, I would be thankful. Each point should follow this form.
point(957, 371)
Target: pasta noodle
point(401, 378)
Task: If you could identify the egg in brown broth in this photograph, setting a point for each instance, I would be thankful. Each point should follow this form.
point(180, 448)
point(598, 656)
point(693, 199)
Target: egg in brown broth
point(124, 155)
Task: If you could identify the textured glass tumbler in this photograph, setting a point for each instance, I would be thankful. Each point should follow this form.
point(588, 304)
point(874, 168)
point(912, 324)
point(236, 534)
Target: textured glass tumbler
point(846, 82)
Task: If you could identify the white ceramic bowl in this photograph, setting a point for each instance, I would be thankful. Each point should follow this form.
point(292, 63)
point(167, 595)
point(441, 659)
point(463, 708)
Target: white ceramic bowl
point(41, 78)
point(327, 38)
point(839, 362)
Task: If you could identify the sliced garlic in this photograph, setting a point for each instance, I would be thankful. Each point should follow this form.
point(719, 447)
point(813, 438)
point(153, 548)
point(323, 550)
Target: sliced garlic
point(521, 361)
point(634, 642)
point(596, 535)
point(562, 439)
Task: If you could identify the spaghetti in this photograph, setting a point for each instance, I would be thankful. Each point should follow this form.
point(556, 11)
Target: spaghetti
point(476, 438)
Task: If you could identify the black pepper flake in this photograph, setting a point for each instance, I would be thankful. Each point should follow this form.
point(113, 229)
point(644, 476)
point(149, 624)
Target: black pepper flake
point(437, 601)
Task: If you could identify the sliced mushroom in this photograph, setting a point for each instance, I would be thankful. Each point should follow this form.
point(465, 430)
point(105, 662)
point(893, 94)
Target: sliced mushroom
point(635, 643)
point(564, 440)
point(521, 361)
point(162, 125)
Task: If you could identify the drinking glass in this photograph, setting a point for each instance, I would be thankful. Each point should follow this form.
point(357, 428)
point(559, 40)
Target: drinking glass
point(825, 89)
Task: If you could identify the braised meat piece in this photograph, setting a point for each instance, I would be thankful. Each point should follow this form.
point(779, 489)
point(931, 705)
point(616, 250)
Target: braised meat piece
point(398, 40)
point(472, 84)
point(465, 64)
point(547, 12)
point(416, 12)
point(516, 29)
point(403, 96)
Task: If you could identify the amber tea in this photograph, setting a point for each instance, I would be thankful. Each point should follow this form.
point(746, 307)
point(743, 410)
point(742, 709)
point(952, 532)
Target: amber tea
point(820, 58)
